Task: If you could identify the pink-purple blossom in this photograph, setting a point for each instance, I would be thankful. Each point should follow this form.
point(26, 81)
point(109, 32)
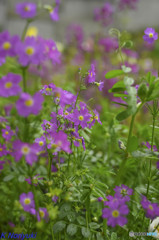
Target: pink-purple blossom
point(27, 104)
point(26, 9)
point(150, 35)
point(7, 133)
point(151, 209)
point(91, 74)
point(104, 14)
point(7, 45)
point(27, 201)
point(10, 85)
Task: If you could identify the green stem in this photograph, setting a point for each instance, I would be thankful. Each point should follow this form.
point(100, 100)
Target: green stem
point(24, 79)
point(25, 29)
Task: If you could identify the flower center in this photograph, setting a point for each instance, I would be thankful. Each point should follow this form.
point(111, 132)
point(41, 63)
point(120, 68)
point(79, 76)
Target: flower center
point(123, 192)
point(42, 214)
point(27, 8)
point(150, 35)
point(41, 143)
point(27, 201)
point(81, 118)
point(115, 213)
point(29, 103)
point(6, 132)
point(57, 94)
point(6, 45)
point(8, 85)
point(1, 149)
point(29, 51)
point(96, 117)
point(25, 150)
point(48, 89)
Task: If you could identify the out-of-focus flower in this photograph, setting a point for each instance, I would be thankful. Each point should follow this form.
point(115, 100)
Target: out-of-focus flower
point(131, 4)
point(3, 150)
point(7, 133)
point(32, 32)
point(55, 198)
point(109, 44)
point(7, 45)
point(26, 9)
point(43, 214)
point(27, 104)
point(34, 180)
point(27, 201)
point(123, 192)
point(54, 14)
point(10, 85)
point(104, 14)
point(75, 35)
point(150, 35)
point(91, 74)
point(152, 209)
point(29, 151)
point(30, 51)
point(154, 227)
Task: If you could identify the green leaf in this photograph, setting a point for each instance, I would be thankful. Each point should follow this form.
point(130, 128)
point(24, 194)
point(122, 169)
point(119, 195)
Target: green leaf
point(114, 73)
point(123, 115)
point(59, 226)
point(86, 232)
point(114, 236)
point(133, 144)
point(8, 178)
point(94, 225)
point(21, 178)
point(71, 229)
point(65, 207)
point(99, 236)
point(71, 216)
point(81, 220)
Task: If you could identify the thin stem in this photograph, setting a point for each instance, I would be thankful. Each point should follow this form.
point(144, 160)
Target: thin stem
point(24, 79)
point(25, 29)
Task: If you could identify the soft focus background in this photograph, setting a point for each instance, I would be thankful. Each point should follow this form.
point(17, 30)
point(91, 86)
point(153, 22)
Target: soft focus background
point(81, 12)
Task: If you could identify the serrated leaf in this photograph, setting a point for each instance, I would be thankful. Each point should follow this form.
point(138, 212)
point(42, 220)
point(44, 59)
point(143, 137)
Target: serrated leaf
point(94, 225)
point(81, 220)
point(86, 232)
point(71, 229)
point(71, 216)
point(21, 178)
point(114, 73)
point(59, 226)
point(8, 178)
point(114, 236)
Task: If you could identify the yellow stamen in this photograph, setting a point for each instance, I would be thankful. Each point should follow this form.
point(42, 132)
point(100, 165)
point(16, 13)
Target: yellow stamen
point(27, 8)
point(29, 103)
point(1, 149)
point(6, 45)
point(41, 143)
point(81, 118)
point(150, 35)
point(27, 201)
point(25, 150)
point(8, 85)
point(6, 132)
point(115, 213)
point(150, 207)
point(29, 51)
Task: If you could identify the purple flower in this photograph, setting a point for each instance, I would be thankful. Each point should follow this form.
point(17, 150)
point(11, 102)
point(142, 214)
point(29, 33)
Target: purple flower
point(27, 104)
point(43, 214)
point(100, 199)
point(30, 51)
point(48, 89)
point(149, 146)
point(7, 45)
point(116, 212)
point(34, 180)
point(3, 151)
point(51, 52)
point(7, 133)
point(104, 14)
point(29, 151)
point(27, 201)
point(91, 74)
point(152, 209)
point(54, 14)
point(10, 85)
point(123, 192)
point(100, 85)
point(26, 9)
point(41, 142)
point(109, 44)
point(150, 35)
point(1, 165)
point(131, 4)
point(75, 35)
point(94, 118)
point(81, 117)
point(59, 142)
point(55, 198)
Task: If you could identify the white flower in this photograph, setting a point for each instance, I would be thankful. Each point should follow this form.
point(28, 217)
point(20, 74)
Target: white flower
point(154, 225)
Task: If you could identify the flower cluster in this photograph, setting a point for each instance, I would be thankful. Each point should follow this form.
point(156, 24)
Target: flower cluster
point(116, 209)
